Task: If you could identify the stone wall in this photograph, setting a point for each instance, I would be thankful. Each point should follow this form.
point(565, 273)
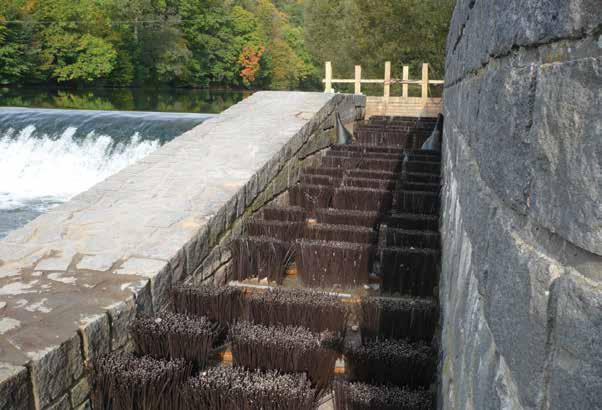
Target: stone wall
point(521, 284)
point(72, 280)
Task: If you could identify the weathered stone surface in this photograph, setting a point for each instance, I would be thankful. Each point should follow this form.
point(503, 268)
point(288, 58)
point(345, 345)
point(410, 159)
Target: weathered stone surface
point(96, 336)
point(60, 404)
point(481, 30)
point(80, 392)
point(574, 360)
point(565, 194)
point(87, 405)
point(15, 388)
point(53, 371)
point(522, 263)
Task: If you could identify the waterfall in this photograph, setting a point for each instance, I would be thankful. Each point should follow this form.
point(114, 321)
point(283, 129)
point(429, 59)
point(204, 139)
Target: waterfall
point(49, 156)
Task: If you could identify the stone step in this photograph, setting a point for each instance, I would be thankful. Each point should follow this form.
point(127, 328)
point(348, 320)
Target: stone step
point(419, 202)
point(392, 362)
point(409, 271)
point(412, 221)
point(408, 318)
point(405, 238)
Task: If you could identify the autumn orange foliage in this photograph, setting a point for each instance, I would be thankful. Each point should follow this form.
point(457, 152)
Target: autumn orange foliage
point(249, 60)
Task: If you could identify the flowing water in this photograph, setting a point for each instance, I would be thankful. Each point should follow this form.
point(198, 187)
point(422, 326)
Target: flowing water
point(47, 156)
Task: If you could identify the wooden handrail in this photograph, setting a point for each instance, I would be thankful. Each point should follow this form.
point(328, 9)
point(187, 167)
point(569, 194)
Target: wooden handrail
point(387, 81)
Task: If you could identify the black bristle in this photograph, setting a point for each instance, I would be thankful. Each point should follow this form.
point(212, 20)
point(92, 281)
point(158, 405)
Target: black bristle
point(176, 336)
point(365, 155)
point(283, 231)
point(412, 221)
point(365, 173)
point(419, 186)
point(362, 199)
point(228, 388)
point(284, 214)
point(430, 167)
point(368, 149)
point(409, 271)
point(400, 318)
point(348, 217)
point(122, 381)
point(320, 180)
point(332, 172)
point(341, 162)
point(344, 233)
point(311, 197)
point(390, 361)
point(322, 263)
point(316, 311)
point(289, 349)
point(404, 238)
point(223, 304)
point(386, 165)
point(386, 184)
point(421, 177)
point(422, 202)
point(361, 396)
point(262, 257)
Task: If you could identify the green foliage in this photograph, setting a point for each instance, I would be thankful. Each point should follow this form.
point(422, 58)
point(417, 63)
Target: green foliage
point(209, 43)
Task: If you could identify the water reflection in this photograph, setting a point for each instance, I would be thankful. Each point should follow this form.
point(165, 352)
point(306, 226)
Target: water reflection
point(123, 99)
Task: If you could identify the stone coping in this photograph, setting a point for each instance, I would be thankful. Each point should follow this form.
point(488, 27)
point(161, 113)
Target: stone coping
point(73, 279)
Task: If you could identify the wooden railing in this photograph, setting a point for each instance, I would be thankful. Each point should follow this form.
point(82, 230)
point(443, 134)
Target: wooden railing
point(387, 105)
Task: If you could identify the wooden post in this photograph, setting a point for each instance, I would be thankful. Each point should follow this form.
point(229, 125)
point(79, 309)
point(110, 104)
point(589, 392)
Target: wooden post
point(328, 88)
point(425, 81)
point(406, 77)
point(358, 79)
point(387, 80)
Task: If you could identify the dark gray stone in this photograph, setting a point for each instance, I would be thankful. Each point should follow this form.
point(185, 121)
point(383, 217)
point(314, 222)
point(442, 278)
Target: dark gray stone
point(15, 388)
point(565, 194)
point(521, 207)
point(574, 362)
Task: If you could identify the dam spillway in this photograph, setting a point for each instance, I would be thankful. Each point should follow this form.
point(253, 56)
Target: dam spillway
point(51, 155)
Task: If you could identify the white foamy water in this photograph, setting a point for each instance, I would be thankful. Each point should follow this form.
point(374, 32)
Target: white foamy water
point(42, 168)
point(49, 156)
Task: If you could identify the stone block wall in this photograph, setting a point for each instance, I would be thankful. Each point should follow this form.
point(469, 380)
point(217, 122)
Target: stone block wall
point(521, 284)
point(72, 280)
